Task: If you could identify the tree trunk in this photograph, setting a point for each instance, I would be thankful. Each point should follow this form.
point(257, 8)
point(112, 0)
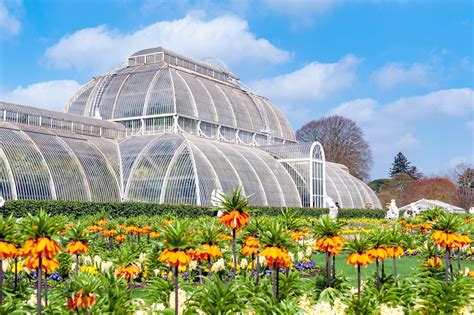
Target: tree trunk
point(38, 287)
point(176, 283)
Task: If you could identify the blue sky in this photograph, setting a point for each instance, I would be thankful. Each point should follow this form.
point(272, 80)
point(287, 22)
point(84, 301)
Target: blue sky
point(403, 70)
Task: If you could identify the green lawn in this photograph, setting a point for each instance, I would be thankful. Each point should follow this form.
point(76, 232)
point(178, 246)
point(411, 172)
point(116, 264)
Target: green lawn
point(406, 266)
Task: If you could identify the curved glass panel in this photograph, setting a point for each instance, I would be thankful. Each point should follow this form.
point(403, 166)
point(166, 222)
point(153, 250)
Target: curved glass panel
point(161, 99)
point(102, 183)
point(31, 177)
point(5, 185)
point(67, 177)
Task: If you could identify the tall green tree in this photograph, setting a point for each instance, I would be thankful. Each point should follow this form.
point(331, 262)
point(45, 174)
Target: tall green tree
point(401, 165)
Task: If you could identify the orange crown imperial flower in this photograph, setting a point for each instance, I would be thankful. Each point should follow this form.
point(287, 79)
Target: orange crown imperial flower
point(450, 240)
point(120, 238)
point(129, 272)
point(81, 301)
point(48, 265)
point(109, 233)
point(76, 248)
point(44, 247)
point(276, 257)
point(356, 259)
point(330, 244)
point(7, 250)
point(154, 235)
point(394, 252)
point(378, 253)
point(235, 219)
point(175, 257)
point(249, 251)
point(433, 262)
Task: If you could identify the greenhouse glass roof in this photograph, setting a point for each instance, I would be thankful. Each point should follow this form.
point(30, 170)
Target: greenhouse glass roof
point(167, 129)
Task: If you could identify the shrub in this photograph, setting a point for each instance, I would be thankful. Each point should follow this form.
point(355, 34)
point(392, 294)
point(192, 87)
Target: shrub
point(19, 208)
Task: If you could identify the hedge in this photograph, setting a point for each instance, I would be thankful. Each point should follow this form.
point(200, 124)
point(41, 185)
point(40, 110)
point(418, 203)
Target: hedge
point(131, 209)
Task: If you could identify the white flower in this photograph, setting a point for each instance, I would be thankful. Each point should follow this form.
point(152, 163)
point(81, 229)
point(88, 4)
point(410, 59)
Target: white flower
point(142, 258)
point(181, 300)
point(300, 255)
point(192, 265)
point(156, 272)
point(387, 310)
point(244, 263)
point(87, 260)
point(97, 260)
point(158, 307)
point(309, 251)
point(292, 257)
point(106, 266)
point(218, 265)
point(6, 265)
point(261, 260)
point(73, 266)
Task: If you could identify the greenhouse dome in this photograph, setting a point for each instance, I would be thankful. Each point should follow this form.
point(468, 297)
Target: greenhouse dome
point(166, 128)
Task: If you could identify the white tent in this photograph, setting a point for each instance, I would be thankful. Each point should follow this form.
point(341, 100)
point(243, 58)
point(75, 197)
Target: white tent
point(424, 204)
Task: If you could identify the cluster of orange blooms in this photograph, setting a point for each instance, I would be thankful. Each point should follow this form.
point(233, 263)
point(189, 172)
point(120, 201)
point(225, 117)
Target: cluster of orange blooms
point(76, 248)
point(129, 272)
point(43, 248)
point(450, 240)
point(175, 257)
point(331, 245)
point(225, 236)
point(276, 257)
point(81, 301)
point(433, 262)
point(422, 227)
point(359, 259)
point(8, 250)
point(206, 253)
point(235, 219)
point(250, 247)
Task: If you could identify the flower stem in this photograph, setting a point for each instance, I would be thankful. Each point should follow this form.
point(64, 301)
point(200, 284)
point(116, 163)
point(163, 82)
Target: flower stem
point(358, 282)
point(377, 276)
point(176, 283)
point(1, 281)
point(257, 281)
point(38, 287)
point(234, 251)
point(446, 269)
point(16, 273)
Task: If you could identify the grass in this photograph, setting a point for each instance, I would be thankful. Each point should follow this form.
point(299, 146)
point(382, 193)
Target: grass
point(406, 267)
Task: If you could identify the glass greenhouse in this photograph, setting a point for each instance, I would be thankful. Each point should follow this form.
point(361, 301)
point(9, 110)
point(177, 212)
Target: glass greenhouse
point(167, 129)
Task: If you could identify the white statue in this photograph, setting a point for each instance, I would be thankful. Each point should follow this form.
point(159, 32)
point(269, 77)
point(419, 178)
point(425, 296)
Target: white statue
point(216, 200)
point(333, 211)
point(393, 212)
point(471, 210)
point(2, 202)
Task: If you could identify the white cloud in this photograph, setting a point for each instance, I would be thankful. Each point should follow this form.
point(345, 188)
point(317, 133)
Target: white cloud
point(360, 110)
point(9, 25)
point(395, 74)
point(226, 37)
point(48, 95)
point(393, 126)
point(315, 81)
